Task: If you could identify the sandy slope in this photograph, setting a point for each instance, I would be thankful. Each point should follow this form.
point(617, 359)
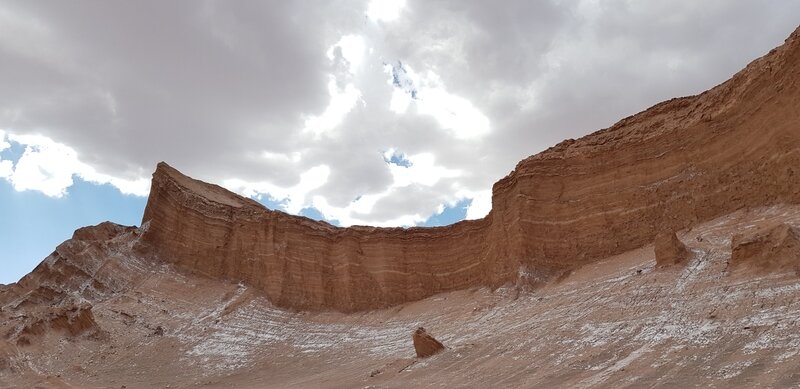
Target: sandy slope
point(618, 322)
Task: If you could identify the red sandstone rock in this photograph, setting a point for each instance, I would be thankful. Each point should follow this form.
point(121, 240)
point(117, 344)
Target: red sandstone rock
point(101, 232)
point(677, 163)
point(424, 344)
point(670, 250)
point(774, 248)
point(87, 265)
point(680, 162)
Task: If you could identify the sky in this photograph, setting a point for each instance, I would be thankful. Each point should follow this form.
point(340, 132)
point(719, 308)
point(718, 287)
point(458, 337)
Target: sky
point(370, 112)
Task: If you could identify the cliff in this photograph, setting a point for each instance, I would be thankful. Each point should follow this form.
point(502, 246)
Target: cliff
point(302, 263)
point(680, 162)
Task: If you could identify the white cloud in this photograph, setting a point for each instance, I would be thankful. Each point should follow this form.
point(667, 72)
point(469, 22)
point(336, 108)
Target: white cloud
point(3, 143)
point(292, 102)
point(341, 103)
point(385, 10)
point(480, 206)
point(294, 198)
point(454, 113)
point(352, 49)
point(49, 167)
point(6, 167)
point(423, 171)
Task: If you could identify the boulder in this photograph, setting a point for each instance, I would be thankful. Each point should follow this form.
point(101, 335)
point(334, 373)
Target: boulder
point(670, 250)
point(425, 344)
point(773, 248)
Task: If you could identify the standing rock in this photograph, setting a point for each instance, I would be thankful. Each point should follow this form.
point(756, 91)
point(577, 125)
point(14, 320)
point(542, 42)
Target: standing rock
point(425, 344)
point(670, 250)
point(774, 248)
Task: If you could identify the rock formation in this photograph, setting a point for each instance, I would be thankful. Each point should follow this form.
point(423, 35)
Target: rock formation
point(92, 264)
point(670, 250)
point(424, 344)
point(189, 298)
point(72, 320)
point(680, 162)
point(774, 248)
point(302, 263)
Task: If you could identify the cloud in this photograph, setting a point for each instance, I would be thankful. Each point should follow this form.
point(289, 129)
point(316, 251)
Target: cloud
point(385, 10)
point(6, 166)
point(480, 206)
point(293, 199)
point(299, 102)
point(49, 167)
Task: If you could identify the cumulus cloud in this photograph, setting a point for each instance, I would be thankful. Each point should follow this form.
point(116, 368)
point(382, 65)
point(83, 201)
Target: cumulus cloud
point(300, 102)
point(49, 167)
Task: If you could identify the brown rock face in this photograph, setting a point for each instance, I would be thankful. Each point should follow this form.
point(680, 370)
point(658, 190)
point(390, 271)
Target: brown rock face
point(670, 250)
point(92, 264)
point(680, 162)
point(424, 344)
point(73, 320)
point(302, 263)
point(775, 248)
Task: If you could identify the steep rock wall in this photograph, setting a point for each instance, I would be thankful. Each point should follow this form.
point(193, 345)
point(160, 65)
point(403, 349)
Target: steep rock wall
point(302, 263)
point(677, 163)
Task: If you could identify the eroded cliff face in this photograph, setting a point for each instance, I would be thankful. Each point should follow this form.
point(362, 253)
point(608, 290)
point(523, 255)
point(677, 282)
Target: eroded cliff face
point(305, 264)
point(680, 162)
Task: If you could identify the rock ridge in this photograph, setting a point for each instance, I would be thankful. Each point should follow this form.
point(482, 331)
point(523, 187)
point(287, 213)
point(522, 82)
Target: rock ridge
point(682, 161)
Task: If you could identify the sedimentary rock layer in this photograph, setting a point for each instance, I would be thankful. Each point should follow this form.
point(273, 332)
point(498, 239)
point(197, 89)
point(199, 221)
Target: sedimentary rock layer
point(302, 263)
point(682, 161)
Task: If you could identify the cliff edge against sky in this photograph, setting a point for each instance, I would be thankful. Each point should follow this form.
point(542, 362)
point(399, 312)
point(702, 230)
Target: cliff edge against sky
point(676, 164)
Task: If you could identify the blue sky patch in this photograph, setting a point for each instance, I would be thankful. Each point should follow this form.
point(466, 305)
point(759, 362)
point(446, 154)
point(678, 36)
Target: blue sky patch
point(32, 224)
point(450, 215)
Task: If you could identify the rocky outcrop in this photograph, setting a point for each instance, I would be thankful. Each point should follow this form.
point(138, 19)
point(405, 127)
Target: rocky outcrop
point(70, 320)
point(670, 250)
point(677, 163)
point(682, 161)
point(772, 249)
point(97, 262)
point(73, 320)
point(305, 264)
point(424, 344)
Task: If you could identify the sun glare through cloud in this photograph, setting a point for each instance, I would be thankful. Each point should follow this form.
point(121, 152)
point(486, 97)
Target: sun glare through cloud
point(385, 10)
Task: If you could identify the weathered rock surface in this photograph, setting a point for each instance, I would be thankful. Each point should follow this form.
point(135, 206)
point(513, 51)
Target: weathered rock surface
point(610, 321)
point(91, 265)
point(775, 248)
point(425, 345)
point(680, 162)
point(302, 263)
point(71, 320)
point(604, 325)
point(670, 250)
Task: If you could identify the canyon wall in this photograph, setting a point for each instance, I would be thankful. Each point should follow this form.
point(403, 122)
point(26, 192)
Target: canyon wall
point(302, 263)
point(664, 169)
point(677, 163)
